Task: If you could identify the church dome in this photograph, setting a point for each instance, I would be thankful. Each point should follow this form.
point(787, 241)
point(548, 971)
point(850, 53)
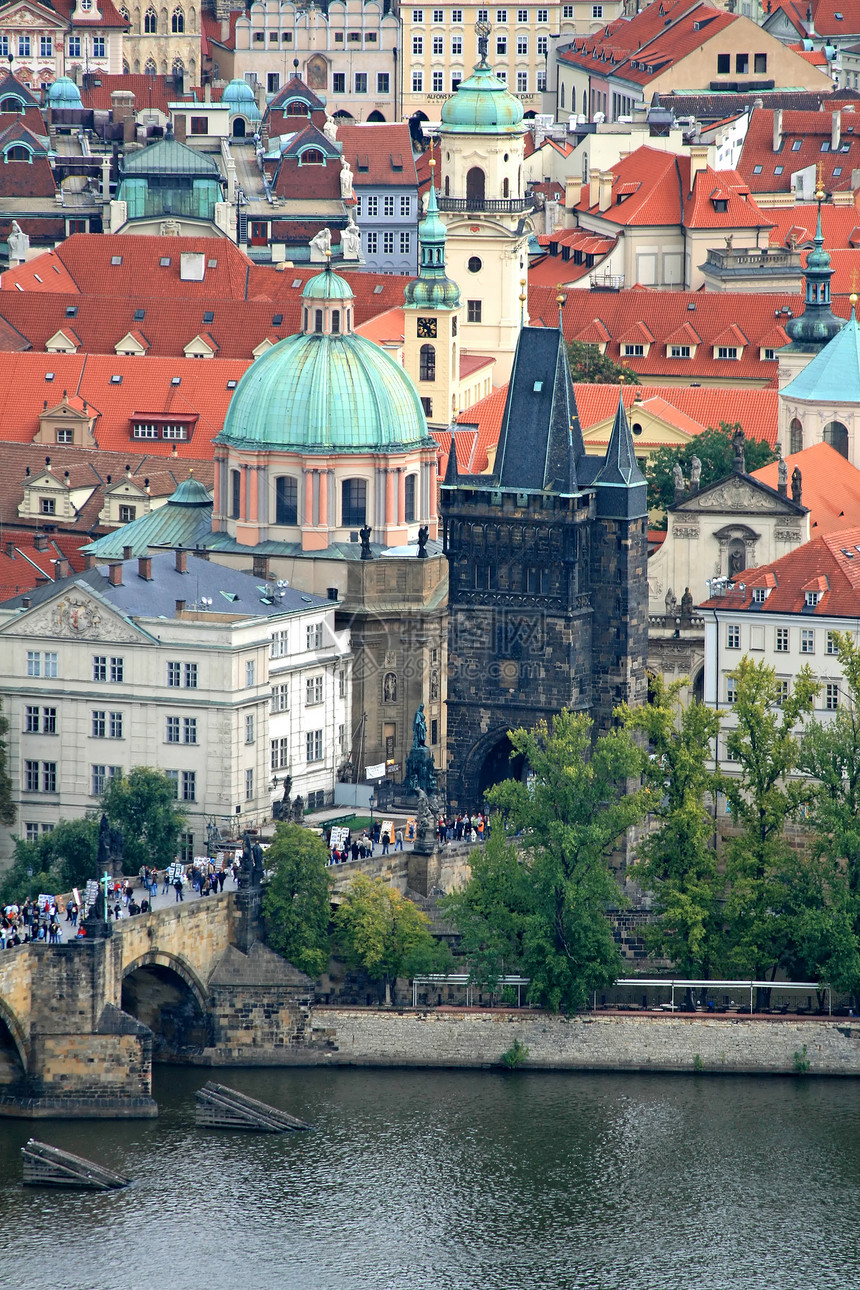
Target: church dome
point(482, 105)
point(326, 390)
point(240, 96)
point(64, 93)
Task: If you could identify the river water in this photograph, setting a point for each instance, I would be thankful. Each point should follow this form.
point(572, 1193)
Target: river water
point(417, 1180)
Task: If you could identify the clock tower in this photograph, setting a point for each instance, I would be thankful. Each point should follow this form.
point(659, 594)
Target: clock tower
point(431, 347)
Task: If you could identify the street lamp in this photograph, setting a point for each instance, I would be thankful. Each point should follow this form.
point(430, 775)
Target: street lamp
point(372, 804)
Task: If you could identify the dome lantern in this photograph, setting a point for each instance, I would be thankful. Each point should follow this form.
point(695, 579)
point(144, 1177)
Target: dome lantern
point(327, 302)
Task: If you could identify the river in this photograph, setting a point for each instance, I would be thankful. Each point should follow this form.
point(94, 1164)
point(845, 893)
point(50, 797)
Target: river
point(433, 1180)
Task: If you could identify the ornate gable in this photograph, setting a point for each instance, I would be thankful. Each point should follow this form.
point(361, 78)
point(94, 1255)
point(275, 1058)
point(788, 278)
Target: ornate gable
point(738, 494)
point(75, 614)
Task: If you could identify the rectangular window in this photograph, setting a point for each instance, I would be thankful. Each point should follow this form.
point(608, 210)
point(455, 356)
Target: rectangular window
point(781, 693)
point(280, 698)
point(418, 44)
point(34, 663)
point(727, 351)
point(98, 780)
point(807, 642)
point(679, 351)
point(173, 776)
point(47, 506)
point(733, 636)
point(313, 690)
point(759, 596)
point(540, 81)
point(46, 47)
point(456, 45)
point(597, 11)
point(361, 82)
point(417, 82)
point(115, 725)
point(567, 11)
point(388, 206)
point(280, 754)
point(782, 640)
point(522, 44)
point(186, 847)
point(811, 599)
point(73, 46)
point(456, 15)
point(438, 15)
point(31, 720)
point(760, 64)
point(341, 685)
point(189, 675)
point(174, 674)
point(99, 724)
point(49, 721)
point(417, 15)
point(99, 667)
point(23, 46)
point(501, 15)
point(249, 785)
point(249, 728)
point(724, 64)
point(405, 243)
point(522, 15)
point(742, 64)
point(189, 785)
point(68, 436)
point(4, 46)
point(634, 351)
point(522, 82)
point(200, 125)
point(731, 689)
point(172, 730)
point(31, 777)
point(438, 45)
point(427, 405)
point(314, 745)
point(117, 670)
point(830, 646)
point(483, 15)
point(49, 777)
point(831, 696)
point(383, 82)
point(371, 243)
point(315, 636)
point(542, 45)
point(543, 15)
point(473, 311)
point(189, 730)
point(280, 644)
point(250, 673)
point(128, 513)
point(98, 46)
point(372, 207)
point(387, 243)
point(338, 82)
point(501, 45)
point(273, 82)
point(438, 82)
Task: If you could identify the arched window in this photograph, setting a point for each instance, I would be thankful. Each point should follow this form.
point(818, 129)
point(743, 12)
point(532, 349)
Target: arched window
point(447, 186)
point(795, 433)
point(562, 94)
point(353, 502)
point(286, 500)
point(297, 109)
point(306, 318)
point(150, 69)
point(235, 493)
point(389, 688)
point(177, 22)
point(506, 188)
point(409, 500)
point(335, 321)
point(836, 434)
point(17, 154)
point(311, 157)
point(11, 105)
point(318, 320)
point(427, 363)
point(150, 22)
point(475, 184)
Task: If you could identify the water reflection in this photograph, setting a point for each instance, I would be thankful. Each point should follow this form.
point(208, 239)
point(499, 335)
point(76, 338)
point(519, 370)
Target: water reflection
point(440, 1179)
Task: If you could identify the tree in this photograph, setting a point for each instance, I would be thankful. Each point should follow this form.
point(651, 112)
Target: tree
point(379, 930)
point(142, 804)
point(589, 366)
point(491, 912)
point(714, 450)
point(679, 863)
point(7, 806)
point(297, 899)
point(762, 927)
point(55, 863)
point(570, 815)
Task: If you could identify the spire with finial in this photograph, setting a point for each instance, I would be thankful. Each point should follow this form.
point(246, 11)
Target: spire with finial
point(817, 324)
point(432, 289)
point(621, 486)
point(451, 471)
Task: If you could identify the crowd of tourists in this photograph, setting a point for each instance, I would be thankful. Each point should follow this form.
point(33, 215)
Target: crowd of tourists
point(344, 847)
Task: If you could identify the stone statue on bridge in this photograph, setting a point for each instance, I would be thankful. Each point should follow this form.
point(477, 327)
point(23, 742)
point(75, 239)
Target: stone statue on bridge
point(420, 766)
point(111, 849)
point(251, 868)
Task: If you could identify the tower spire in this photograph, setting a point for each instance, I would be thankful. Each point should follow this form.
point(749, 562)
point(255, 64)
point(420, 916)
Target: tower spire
point(817, 324)
point(432, 289)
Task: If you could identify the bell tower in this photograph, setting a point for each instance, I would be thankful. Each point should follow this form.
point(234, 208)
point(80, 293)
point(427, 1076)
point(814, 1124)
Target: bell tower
point(486, 210)
point(431, 347)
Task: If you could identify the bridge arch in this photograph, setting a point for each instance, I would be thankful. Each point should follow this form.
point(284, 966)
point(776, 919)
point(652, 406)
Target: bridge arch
point(160, 958)
point(167, 996)
point(10, 1023)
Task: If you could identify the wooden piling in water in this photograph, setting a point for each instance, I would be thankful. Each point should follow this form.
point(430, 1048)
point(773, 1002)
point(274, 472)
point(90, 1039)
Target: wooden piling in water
point(219, 1107)
point(46, 1166)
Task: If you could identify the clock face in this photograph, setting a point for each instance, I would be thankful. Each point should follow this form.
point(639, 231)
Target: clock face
point(427, 328)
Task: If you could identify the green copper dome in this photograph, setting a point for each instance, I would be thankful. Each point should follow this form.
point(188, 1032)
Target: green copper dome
point(327, 285)
point(817, 325)
point(482, 105)
point(64, 93)
point(240, 96)
point(325, 393)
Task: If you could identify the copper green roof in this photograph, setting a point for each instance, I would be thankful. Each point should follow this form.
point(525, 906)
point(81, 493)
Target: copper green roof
point(323, 393)
point(327, 285)
point(432, 289)
point(482, 105)
point(184, 521)
point(833, 375)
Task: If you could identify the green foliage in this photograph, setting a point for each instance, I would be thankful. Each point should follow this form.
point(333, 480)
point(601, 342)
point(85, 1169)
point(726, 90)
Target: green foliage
point(297, 899)
point(698, 1064)
point(714, 450)
point(516, 1055)
point(801, 1062)
point(142, 804)
point(678, 863)
point(541, 907)
point(7, 806)
point(590, 367)
point(379, 930)
point(55, 863)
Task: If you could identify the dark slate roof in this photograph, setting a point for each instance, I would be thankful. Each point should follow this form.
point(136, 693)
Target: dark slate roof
point(540, 441)
point(169, 157)
point(716, 107)
point(231, 591)
point(622, 490)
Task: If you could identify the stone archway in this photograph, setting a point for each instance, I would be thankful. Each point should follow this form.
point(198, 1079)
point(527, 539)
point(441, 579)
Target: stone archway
point(13, 1050)
point(487, 762)
point(163, 993)
point(239, 129)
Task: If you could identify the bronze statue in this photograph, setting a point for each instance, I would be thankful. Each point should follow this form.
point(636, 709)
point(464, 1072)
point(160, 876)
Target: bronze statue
point(796, 486)
point(423, 535)
point(364, 533)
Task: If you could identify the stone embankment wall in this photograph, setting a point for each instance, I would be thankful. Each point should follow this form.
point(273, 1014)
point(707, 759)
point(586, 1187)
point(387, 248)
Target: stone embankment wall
point(448, 1037)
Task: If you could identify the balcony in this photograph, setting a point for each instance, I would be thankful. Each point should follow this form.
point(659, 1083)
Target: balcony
point(492, 206)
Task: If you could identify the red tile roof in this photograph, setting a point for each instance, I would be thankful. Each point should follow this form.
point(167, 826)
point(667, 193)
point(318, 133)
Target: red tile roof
point(149, 91)
point(380, 154)
point(829, 564)
point(831, 486)
point(108, 15)
point(840, 225)
point(19, 553)
point(647, 45)
point(588, 314)
point(803, 134)
point(823, 15)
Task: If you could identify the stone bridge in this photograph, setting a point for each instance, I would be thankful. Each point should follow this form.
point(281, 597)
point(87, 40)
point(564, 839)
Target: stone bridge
point(81, 1022)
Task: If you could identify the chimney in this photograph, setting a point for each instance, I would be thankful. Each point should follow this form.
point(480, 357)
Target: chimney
point(181, 560)
point(835, 131)
point(144, 567)
point(62, 568)
point(40, 542)
point(604, 180)
point(777, 129)
point(126, 553)
point(115, 573)
point(593, 189)
point(26, 602)
point(180, 608)
point(89, 561)
point(698, 161)
point(10, 550)
point(573, 191)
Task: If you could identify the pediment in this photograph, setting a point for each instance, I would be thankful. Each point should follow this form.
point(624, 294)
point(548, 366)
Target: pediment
point(46, 479)
point(127, 487)
point(738, 494)
point(32, 15)
point(75, 614)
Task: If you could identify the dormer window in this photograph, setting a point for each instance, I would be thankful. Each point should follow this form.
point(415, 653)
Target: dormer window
point(811, 598)
point(721, 204)
point(759, 595)
point(312, 157)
